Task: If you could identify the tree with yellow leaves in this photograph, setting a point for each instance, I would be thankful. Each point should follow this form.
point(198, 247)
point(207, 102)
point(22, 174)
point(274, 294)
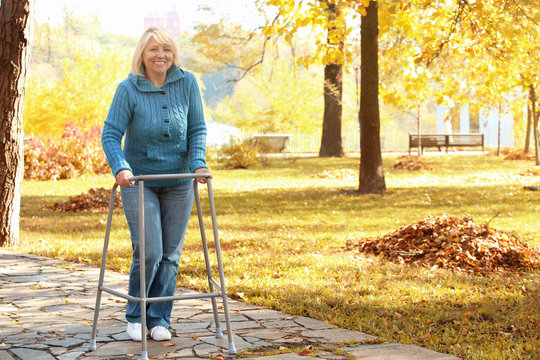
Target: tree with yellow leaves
point(81, 96)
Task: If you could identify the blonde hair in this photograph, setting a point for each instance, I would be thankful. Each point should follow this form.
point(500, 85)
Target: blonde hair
point(162, 36)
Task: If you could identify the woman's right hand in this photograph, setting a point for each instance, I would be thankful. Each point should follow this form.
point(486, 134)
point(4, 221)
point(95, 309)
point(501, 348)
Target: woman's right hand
point(122, 178)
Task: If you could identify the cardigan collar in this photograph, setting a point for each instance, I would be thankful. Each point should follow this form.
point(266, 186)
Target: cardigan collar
point(145, 85)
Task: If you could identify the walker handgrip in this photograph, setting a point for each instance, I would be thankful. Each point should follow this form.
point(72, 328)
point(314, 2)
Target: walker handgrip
point(170, 176)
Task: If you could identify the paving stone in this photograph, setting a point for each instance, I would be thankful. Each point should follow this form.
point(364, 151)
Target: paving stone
point(16, 271)
point(257, 342)
point(121, 336)
point(4, 355)
point(286, 356)
point(239, 343)
point(398, 352)
point(210, 317)
point(279, 324)
point(24, 353)
point(22, 338)
point(75, 329)
point(184, 353)
point(264, 334)
point(19, 294)
point(237, 306)
point(57, 350)
point(329, 355)
point(237, 325)
point(264, 314)
point(204, 350)
point(72, 355)
point(313, 324)
point(185, 313)
point(110, 327)
point(37, 303)
point(337, 335)
point(6, 331)
point(111, 350)
point(29, 279)
point(7, 308)
point(187, 327)
point(66, 342)
point(291, 340)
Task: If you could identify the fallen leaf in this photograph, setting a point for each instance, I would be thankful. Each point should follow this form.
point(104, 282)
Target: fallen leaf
point(306, 353)
point(166, 343)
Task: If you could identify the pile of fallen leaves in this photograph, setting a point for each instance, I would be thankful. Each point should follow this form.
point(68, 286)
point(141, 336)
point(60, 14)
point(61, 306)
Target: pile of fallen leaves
point(97, 199)
point(518, 155)
point(535, 171)
point(336, 174)
point(410, 162)
point(453, 243)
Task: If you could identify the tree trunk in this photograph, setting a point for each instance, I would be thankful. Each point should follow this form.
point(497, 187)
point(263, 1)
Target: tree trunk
point(528, 131)
point(371, 168)
point(499, 131)
point(418, 130)
point(331, 142)
point(532, 94)
point(15, 34)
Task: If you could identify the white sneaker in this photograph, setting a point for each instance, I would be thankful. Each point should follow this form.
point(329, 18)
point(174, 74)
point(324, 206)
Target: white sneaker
point(134, 331)
point(159, 333)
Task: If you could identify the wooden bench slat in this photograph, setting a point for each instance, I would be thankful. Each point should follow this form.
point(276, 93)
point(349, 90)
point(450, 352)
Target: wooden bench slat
point(447, 140)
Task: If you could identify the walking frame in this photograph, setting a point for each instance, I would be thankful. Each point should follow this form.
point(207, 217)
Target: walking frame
point(143, 300)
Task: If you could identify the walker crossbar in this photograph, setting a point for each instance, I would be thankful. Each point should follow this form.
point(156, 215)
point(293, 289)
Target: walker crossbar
point(161, 298)
point(143, 300)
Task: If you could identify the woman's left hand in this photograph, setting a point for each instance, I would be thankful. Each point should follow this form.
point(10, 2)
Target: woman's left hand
point(202, 180)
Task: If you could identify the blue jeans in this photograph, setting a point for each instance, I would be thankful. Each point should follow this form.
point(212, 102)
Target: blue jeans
point(167, 211)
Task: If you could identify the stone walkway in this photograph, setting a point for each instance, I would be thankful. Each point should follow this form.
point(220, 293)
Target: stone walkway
point(47, 309)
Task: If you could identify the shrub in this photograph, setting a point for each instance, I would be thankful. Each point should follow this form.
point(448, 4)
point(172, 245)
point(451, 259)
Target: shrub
point(77, 153)
point(241, 155)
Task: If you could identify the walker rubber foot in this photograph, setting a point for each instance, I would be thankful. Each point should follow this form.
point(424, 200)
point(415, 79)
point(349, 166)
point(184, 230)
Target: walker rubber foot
point(232, 349)
point(92, 345)
point(144, 355)
point(219, 333)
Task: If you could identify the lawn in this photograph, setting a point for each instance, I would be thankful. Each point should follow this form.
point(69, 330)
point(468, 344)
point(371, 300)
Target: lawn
point(284, 228)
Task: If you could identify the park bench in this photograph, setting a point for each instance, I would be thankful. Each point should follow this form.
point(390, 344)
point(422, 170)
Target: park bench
point(271, 143)
point(446, 140)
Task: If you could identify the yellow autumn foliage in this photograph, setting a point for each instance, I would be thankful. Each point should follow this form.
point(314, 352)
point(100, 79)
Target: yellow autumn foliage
point(82, 95)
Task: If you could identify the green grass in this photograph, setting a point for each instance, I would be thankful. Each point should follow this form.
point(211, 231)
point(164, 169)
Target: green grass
point(283, 231)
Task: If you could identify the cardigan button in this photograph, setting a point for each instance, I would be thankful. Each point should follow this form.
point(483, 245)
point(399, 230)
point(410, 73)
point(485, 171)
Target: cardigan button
point(166, 135)
point(166, 121)
point(162, 92)
point(164, 107)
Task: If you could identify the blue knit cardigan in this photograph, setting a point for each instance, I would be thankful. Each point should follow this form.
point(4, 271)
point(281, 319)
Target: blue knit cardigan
point(164, 128)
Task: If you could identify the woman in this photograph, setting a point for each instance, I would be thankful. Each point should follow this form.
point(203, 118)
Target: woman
point(159, 110)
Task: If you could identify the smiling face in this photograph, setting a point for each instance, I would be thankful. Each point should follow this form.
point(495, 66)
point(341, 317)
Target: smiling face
point(157, 59)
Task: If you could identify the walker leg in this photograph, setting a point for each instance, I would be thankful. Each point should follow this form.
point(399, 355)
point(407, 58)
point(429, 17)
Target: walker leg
point(142, 269)
point(232, 348)
point(219, 333)
point(92, 345)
